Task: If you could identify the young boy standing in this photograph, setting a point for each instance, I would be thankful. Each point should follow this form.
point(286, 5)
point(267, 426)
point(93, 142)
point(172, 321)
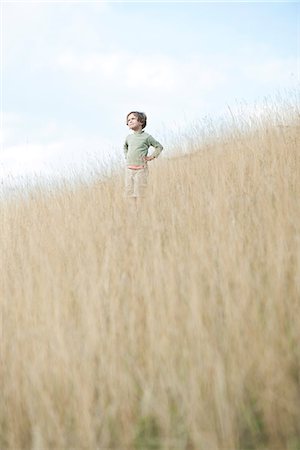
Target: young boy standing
point(136, 148)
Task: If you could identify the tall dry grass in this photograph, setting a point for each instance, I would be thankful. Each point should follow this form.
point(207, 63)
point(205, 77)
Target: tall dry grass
point(177, 328)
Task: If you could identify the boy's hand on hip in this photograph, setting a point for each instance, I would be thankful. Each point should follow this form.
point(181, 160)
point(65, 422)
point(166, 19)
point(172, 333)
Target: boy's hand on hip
point(149, 158)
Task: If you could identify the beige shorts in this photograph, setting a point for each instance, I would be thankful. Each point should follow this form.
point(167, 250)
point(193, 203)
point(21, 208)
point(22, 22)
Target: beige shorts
point(136, 182)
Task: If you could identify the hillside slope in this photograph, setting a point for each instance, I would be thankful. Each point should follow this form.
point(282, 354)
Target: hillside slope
point(177, 327)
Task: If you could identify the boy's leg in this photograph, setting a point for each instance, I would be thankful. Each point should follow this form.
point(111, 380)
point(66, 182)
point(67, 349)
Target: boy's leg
point(135, 187)
point(129, 191)
point(140, 182)
point(129, 183)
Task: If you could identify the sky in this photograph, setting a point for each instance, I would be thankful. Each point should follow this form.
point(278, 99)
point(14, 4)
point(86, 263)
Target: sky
point(72, 70)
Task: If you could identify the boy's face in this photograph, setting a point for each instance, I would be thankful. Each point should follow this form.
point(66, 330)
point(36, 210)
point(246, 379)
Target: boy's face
point(133, 123)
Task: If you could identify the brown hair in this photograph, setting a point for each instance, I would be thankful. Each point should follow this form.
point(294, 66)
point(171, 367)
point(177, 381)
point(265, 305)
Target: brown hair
point(141, 117)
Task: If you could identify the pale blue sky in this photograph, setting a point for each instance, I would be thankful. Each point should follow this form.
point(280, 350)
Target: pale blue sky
point(72, 70)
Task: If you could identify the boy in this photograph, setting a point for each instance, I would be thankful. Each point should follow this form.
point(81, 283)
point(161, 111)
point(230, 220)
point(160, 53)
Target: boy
point(136, 153)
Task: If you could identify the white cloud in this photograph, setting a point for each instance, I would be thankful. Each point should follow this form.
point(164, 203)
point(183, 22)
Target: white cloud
point(20, 128)
point(101, 64)
point(49, 150)
point(33, 32)
point(273, 71)
point(152, 72)
point(156, 71)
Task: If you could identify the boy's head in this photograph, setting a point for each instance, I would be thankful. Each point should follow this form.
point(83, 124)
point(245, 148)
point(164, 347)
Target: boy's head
point(140, 116)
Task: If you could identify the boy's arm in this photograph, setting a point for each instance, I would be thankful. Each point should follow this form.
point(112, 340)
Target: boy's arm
point(158, 148)
point(125, 147)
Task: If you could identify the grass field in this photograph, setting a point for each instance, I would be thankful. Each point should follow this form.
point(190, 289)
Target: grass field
point(176, 328)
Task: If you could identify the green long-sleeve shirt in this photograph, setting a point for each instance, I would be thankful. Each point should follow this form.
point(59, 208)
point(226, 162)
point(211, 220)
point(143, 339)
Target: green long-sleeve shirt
point(137, 145)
